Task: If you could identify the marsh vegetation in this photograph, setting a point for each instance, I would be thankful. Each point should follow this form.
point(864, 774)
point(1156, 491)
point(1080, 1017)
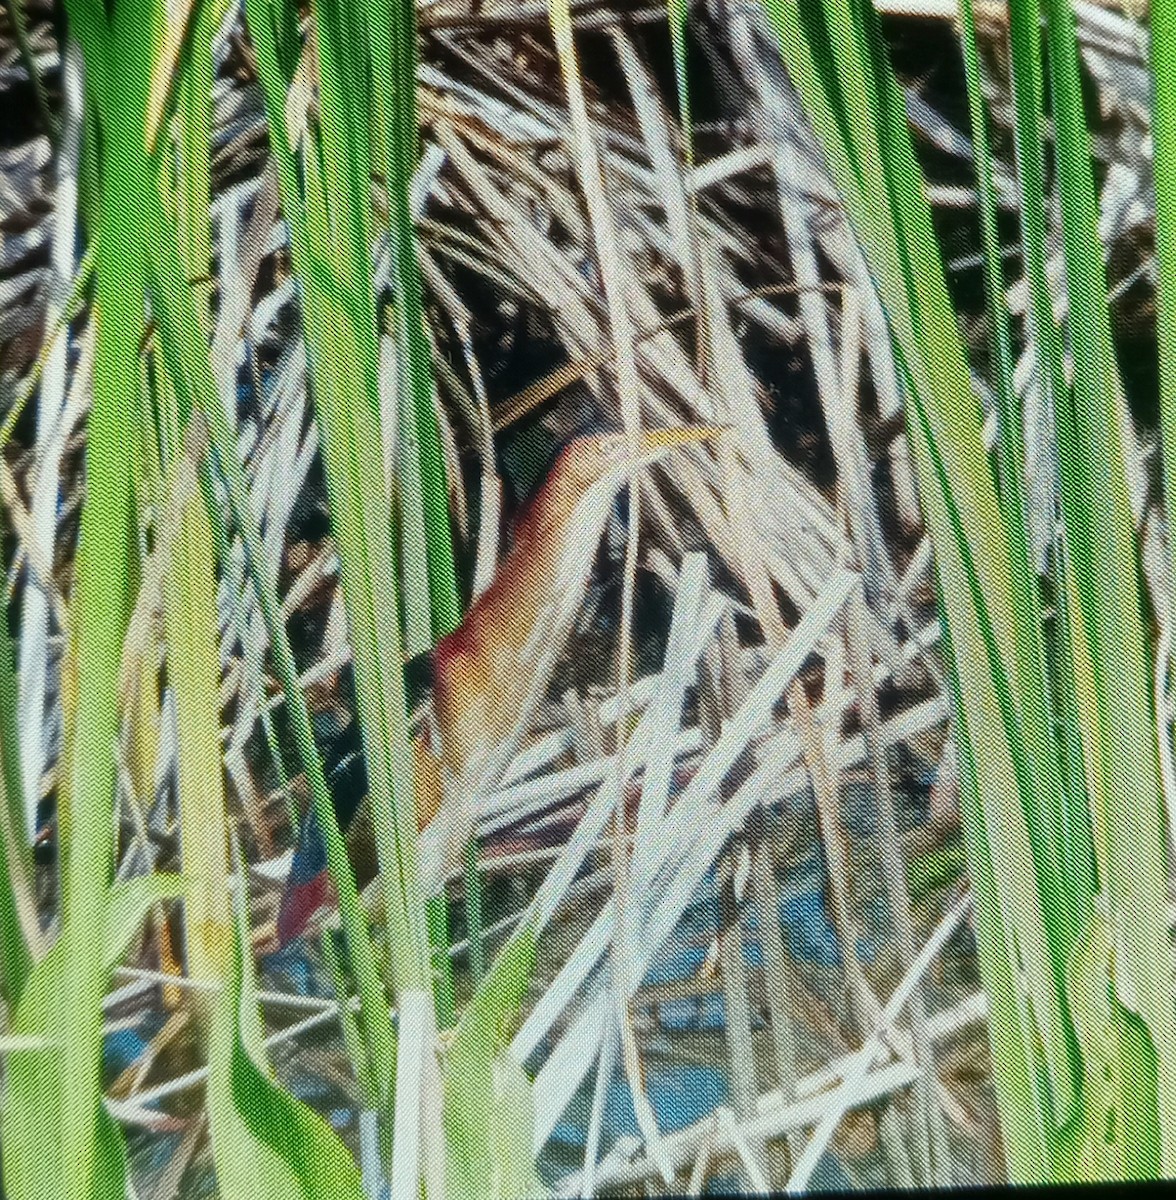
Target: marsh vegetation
point(792, 807)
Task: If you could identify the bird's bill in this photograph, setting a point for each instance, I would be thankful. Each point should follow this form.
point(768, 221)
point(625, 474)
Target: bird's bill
point(655, 443)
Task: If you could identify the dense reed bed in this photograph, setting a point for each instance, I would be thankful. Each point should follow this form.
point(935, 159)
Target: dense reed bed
point(813, 817)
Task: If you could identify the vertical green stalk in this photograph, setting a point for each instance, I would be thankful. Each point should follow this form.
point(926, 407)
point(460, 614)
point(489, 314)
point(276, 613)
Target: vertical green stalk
point(180, 322)
point(1120, 729)
point(1163, 56)
point(678, 12)
point(431, 601)
point(1048, 828)
point(189, 594)
point(324, 178)
point(1163, 64)
point(1080, 1015)
point(183, 335)
point(1016, 1075)
point(1010, 447)
point(56, 1133)
point(396, 151)
point(1073, 827)
point(16, 865)
point(101, 611)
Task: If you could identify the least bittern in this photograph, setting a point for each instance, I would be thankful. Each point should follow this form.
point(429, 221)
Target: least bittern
point(489, 671)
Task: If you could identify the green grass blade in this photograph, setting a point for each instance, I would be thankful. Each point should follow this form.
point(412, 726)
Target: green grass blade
point(245, 1166)
point(1129, 821)
point(272, 1146)
point(190, 618)
point(423, 486)
point(1065, 802)
point(15, 958)
point(55, 1132)
point(1011, 449)
point(17, 937)
point(1024, 1109)
point(488, 1131)
point(179, 325)
point(1029, 147)
point(437, 916)
point(352, 1034)
point(836, 59)
point(678, 12)
point(1163, 56)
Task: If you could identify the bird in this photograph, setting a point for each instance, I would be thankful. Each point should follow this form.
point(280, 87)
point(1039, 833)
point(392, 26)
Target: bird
point(480, 683)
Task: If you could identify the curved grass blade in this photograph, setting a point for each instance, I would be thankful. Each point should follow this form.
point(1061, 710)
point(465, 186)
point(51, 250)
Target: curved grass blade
point(184, 340)
point(273, 1147)
point(488, 1109)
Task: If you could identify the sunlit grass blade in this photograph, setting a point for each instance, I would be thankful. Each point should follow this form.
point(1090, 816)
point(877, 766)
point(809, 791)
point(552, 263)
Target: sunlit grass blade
point(1016, 1076)
point(1107, 631)
point(339, 317)
point(1163, 63)
point(271, 1146)
point(1072, 828)
point(488, 1128)
point(1011, 453)
point(840, 71)
point(420, 489)
point(35, 1120)
point(423, 489)
point(55, 1131)
point(1036, 823)
point(248, 1163)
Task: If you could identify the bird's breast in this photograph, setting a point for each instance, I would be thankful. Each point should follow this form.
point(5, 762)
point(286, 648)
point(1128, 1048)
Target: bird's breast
point(428, 785)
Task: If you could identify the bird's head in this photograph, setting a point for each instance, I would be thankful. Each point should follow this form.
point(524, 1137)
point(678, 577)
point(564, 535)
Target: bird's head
point(590, 472)
point(596, 466)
